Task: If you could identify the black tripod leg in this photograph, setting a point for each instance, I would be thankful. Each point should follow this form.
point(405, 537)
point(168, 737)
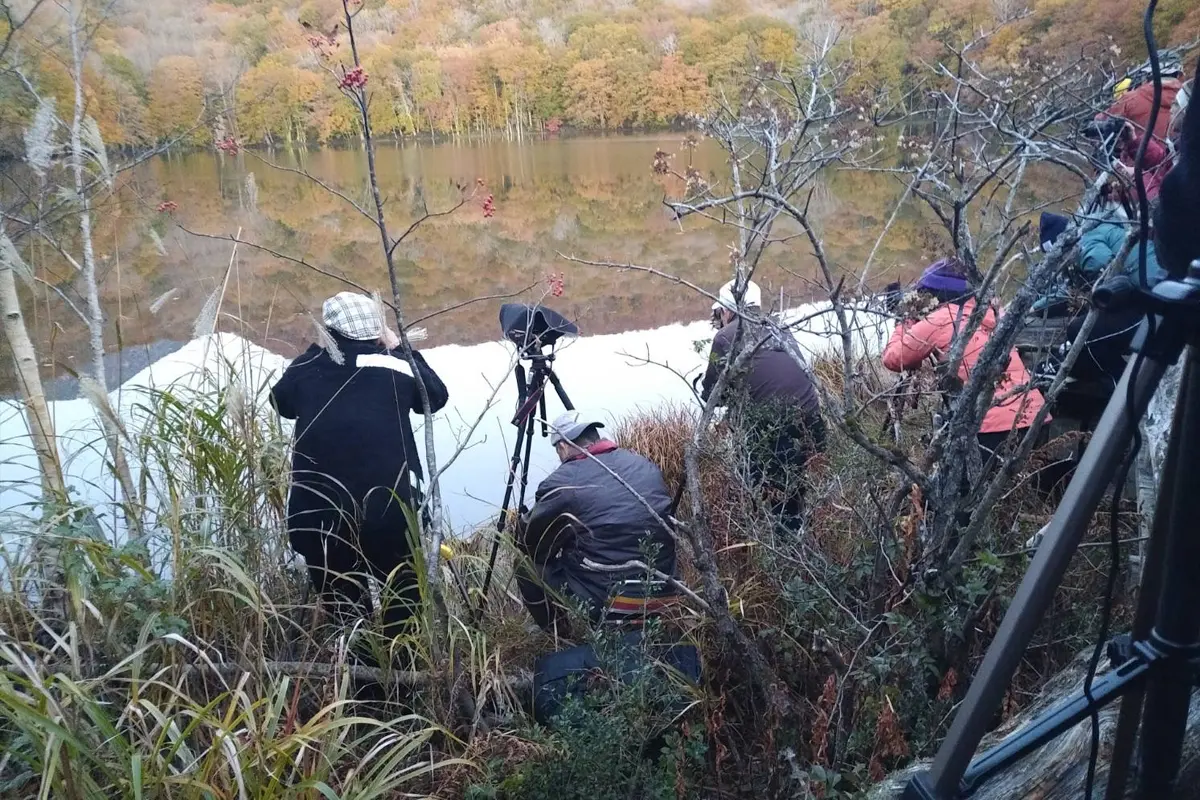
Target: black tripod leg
point(1094, 474)
point(558, 389)
point(1177, 624)
point(525, 434)
point(528, 451)
point(1057, 720)
point(1143, 622)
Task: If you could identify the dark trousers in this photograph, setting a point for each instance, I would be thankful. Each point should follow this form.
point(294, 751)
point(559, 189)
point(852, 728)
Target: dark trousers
point(339, 565)
point(545, 612)
point(539, 584)
point(781, 442)
point(994, 448)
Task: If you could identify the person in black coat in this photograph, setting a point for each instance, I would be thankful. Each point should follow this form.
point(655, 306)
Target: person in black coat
point(774, 403)
point(355, 459)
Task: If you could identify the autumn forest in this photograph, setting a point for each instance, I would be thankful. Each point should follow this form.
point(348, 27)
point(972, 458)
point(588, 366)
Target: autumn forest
point(193, 72)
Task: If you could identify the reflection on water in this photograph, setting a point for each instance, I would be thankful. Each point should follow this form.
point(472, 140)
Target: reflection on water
point(592, 197)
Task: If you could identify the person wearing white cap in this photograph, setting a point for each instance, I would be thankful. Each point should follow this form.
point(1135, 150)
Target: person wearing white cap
point(773, 400)
point(354, 458)
point(602, 506)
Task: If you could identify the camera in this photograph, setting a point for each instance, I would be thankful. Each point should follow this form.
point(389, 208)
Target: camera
point(893, 295)
point(1105, 130)
point(532, 328)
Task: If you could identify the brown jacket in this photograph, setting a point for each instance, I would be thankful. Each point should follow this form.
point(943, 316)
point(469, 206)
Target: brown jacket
point(772, 376)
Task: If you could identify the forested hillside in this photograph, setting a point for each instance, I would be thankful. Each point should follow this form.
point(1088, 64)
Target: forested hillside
point(194, 70)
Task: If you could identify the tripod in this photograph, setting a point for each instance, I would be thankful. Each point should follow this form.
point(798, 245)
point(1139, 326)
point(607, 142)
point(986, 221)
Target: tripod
point(1155, 680)
point(531, 397)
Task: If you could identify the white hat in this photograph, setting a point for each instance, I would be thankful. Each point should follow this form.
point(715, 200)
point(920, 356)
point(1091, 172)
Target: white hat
point(353, 315)
point(752, 297)
point(570, 425)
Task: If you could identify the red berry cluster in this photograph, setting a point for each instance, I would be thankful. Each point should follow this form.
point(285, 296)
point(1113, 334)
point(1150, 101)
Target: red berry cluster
point(489, 206)
point(228, 145)
point(354, 79)
point(556, 281)
point(167, 207)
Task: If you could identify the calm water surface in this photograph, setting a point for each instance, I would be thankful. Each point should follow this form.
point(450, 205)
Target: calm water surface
point(596, 198)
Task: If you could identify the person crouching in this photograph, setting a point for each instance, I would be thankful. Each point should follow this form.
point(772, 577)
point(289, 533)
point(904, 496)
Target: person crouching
point(603, 506)
point(354, 459)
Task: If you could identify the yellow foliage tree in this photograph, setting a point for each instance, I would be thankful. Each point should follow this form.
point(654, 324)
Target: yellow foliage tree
point(176, 104)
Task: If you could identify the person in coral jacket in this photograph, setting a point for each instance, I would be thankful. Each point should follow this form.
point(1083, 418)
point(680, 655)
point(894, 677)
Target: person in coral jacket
point(950, 301)
point(1155, 165)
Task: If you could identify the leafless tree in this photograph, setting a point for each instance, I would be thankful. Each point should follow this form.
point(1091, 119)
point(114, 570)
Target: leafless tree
point(983, 136)
point(989, 132)
point(68, 155)
point(12, 266)
point(969, 157)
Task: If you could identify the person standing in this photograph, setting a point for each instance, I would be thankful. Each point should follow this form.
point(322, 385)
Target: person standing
point(355, 459)
point(774, 401)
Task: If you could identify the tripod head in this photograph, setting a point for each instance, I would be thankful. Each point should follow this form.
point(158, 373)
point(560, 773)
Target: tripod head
point(534, 329)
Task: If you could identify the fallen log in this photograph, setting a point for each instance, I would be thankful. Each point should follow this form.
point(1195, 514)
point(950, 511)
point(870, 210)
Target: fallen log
point(1058, 771)
point(521, 683)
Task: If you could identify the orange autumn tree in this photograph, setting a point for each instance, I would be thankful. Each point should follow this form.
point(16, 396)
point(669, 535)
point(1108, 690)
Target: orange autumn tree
point(177, 100)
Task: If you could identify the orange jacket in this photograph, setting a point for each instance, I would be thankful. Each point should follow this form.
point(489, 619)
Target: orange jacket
point(1135, 106)
point(1015, 402)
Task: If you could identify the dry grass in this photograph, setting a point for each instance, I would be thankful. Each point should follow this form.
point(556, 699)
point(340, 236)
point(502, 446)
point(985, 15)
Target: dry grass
point(814, 603)
point(662, 437)
point(823, 600)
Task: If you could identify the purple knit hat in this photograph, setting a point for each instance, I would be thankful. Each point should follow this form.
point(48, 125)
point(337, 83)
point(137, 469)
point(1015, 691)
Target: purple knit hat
point(944, 276)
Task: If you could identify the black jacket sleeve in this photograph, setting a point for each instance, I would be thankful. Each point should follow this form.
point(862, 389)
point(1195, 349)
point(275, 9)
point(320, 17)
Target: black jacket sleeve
point(283, 394)
point(547, 527)
point(716, 362)
point(438, 395)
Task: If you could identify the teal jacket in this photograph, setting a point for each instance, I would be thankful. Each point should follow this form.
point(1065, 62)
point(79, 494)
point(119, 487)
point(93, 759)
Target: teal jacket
point(1099, 246)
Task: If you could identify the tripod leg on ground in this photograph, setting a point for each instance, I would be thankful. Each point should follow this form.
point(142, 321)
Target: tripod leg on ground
point(1143, 621)
point(523, 443)
point(531, 397)
point(1177, 624)
point(1094, 474)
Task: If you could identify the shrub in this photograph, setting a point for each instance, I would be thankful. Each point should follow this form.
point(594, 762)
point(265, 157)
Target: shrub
point(878, 657)
point(618, 740)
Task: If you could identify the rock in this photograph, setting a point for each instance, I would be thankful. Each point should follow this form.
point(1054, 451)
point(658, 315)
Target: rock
point(1058, 771)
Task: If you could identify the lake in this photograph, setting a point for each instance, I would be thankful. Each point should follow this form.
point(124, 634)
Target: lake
point(593, 197)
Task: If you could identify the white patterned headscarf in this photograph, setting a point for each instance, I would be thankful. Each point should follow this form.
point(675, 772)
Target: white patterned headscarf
point(355, 316)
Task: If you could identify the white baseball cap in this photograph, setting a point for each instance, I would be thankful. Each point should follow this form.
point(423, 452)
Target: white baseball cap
point(752, 297)
point(570, 425)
